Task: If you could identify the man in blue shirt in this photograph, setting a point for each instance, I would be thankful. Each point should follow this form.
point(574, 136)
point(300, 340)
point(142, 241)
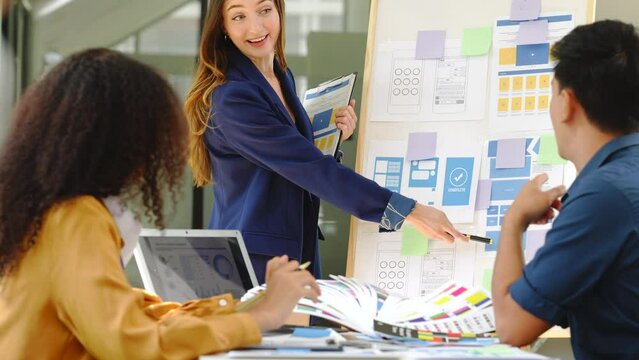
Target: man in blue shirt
point(586, 275)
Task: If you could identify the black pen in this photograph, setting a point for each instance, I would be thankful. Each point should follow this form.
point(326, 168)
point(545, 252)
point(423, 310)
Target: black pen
point(480, 239)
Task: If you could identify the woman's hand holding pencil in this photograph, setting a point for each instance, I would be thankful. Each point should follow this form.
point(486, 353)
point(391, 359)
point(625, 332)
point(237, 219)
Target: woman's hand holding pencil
point(286, 283)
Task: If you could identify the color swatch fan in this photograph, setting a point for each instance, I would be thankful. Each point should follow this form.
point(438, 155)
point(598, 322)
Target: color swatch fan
point(452, 312)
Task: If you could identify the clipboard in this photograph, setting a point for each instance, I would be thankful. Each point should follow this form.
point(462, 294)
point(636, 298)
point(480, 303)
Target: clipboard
point(321, 104)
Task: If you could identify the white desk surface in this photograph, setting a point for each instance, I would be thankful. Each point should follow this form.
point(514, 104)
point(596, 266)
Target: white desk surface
point(265, 354)
point(443, 352)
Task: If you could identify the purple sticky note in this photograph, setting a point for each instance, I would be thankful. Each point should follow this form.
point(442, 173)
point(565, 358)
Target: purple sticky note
point(484, 189)
point(525, 9)
point(511, 154)
point(533, 32)
point(430, 44)
point(534, 240)
point(421, 146)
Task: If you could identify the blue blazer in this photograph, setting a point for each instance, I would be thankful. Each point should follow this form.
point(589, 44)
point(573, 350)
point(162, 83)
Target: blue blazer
point(267, 172)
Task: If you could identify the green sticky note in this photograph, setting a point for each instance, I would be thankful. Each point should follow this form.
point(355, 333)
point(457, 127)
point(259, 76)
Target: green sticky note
point(487, 279)
point(413, 242)
point(498, 350)
point(548, 151)
point(476, 41)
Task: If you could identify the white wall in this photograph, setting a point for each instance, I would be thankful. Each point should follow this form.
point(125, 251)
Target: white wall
point(624, 10)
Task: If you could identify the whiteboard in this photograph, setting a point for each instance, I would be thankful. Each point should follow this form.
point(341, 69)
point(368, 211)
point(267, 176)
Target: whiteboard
point(471, 108)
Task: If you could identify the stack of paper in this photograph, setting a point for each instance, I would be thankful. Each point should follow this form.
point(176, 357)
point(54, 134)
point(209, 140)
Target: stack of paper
point(452, 312)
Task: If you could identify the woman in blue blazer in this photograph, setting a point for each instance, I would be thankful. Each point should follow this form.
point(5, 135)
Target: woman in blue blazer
point(252, 139)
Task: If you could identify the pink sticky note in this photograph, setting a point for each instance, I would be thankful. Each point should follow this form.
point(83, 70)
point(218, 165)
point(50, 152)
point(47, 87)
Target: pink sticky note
point(525, 9)
point(533, 32)
point(534, 240)
point(484, 190)
point(430, 44)
point(511, 154)
point(421, 146)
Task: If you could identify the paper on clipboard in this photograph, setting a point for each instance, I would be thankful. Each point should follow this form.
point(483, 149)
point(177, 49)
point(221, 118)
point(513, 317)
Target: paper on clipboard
point(321, 103)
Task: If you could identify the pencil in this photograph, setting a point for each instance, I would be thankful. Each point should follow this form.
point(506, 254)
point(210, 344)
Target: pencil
point(480, 239)
point(245, 305)
point(304, 265)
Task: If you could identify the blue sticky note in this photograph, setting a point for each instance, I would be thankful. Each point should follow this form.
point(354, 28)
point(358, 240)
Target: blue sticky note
point(322, 120)
point(535, 240)
point(293, 350)
point(532, 32)
point(430, 44)
point(511, 153)
point(482, 202)
point(506, 189)
point(535, 54)
point(421, 146)
point(525, 9)
point(494, 235)
point(311, 332)
point(459, 173)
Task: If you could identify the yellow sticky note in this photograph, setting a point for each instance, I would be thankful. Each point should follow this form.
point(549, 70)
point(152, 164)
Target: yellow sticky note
point(518, 83)
point(531, 82)
point(515, 104)
point(323, 143)
point(542, 102)
point(507, 56)
point(544, 81)
point(332, 121)
point(331, 141)
point(502, 104)
point(413, 242)
point(504, 84)
point(530, 103)
point(548, 151)
point(477, 41)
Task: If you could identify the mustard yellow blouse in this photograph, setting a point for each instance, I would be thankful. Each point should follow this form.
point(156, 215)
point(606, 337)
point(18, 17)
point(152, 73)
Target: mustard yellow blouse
point(69, 299)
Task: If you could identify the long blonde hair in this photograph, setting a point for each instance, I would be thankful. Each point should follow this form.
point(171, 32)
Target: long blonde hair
point(210, 73)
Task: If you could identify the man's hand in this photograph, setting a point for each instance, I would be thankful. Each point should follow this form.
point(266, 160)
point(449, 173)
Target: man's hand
point(534, 206)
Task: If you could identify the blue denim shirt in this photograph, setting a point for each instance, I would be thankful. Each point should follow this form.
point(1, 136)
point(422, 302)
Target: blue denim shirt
point(586, 275)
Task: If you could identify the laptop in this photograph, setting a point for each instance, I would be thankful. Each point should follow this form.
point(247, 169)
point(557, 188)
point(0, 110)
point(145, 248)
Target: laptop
point(182, 265)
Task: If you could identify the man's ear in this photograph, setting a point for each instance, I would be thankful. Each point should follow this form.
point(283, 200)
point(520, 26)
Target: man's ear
point(569, 105)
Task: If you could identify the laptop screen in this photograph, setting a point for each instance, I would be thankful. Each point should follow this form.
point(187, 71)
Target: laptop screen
point(182, 265)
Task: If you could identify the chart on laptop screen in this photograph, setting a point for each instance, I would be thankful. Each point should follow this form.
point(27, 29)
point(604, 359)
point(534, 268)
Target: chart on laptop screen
point(183, 269)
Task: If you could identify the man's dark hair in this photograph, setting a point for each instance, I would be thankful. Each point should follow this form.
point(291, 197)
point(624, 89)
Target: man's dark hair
point(600, 63)
point(100, 124)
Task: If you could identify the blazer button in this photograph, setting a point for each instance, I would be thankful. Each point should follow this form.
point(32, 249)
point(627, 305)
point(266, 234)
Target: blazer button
point(223, 302)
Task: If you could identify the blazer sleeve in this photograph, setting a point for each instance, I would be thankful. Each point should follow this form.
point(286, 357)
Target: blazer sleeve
point(244, 117)
point(95, 302)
